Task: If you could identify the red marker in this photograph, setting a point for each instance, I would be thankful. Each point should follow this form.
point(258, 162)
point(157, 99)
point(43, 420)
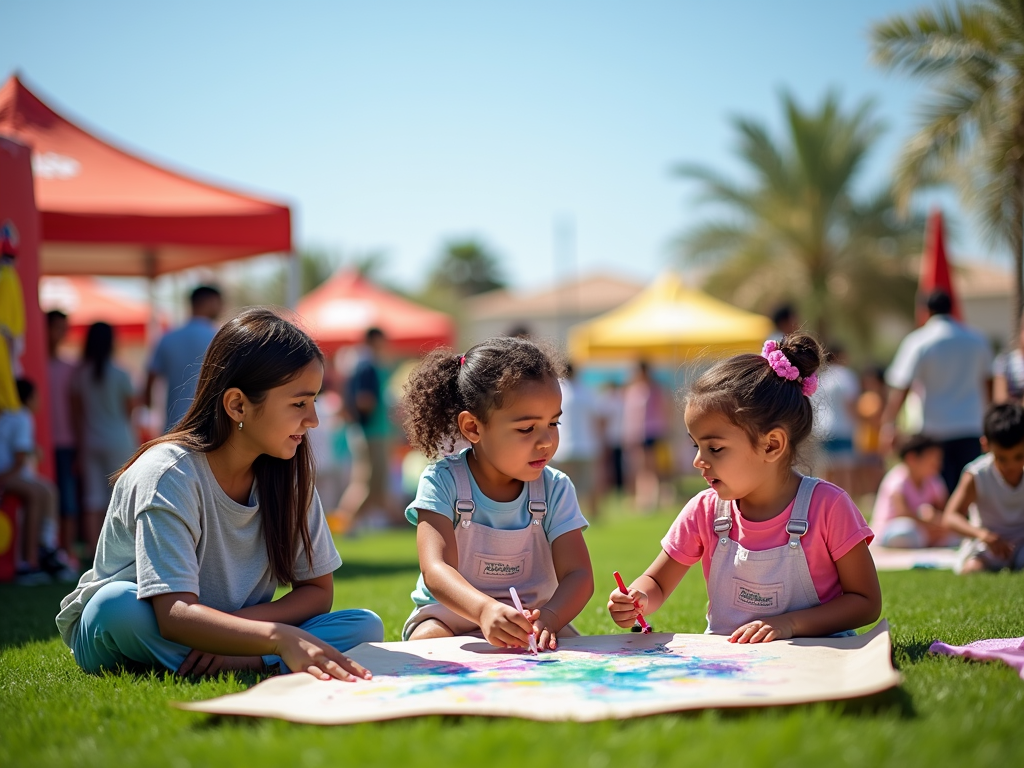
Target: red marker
point(644, 626)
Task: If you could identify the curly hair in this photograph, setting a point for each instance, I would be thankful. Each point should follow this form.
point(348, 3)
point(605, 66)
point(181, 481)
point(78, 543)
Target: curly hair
point(444, 384)
point(752, 396)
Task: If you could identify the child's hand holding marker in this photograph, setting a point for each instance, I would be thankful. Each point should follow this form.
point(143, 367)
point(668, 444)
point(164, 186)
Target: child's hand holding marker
point(505, 627)
point(626, 606)
point(528, 615)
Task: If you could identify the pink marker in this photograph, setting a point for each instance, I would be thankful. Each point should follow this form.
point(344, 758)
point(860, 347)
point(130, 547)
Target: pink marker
point(519, 607)
point(644, 626)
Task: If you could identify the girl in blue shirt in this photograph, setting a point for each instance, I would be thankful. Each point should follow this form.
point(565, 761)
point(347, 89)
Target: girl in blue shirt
point(495, 515)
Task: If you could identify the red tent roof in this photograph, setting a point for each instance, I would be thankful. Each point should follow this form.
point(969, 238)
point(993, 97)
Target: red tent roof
point(86, 300)
point(935, 267)
point(341, 310)
point(105, 211)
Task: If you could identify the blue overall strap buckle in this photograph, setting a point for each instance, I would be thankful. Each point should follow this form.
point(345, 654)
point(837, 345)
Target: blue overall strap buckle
point(797, 527)
point(722, 527)
point(464, 509)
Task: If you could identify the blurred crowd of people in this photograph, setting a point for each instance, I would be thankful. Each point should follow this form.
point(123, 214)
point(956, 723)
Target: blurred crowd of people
point(92, 408)
point(620, 437)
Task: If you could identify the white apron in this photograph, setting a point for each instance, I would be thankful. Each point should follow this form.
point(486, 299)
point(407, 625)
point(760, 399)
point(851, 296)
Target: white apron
point(745, 585)
point(493, 560)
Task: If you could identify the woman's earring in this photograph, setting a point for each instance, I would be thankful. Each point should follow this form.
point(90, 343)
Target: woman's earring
point(239, 426)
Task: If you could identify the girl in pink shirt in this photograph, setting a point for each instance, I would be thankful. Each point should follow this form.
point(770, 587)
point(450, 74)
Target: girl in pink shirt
point(910, 499)
point(783, 555)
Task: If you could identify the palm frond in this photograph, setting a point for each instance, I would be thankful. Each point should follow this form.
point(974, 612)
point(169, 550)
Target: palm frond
point(931, 41)
point(715, 188)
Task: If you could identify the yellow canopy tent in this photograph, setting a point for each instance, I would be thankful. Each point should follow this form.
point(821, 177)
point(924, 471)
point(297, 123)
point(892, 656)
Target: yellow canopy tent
point(671, 323)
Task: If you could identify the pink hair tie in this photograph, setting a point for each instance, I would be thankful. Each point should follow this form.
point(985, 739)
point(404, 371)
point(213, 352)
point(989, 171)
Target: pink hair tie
point(810, 385)
point(462, 361)
point(785, 369)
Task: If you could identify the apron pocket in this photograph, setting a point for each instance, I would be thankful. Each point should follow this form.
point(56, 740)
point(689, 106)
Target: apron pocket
point(758, 599)
point(497, 569)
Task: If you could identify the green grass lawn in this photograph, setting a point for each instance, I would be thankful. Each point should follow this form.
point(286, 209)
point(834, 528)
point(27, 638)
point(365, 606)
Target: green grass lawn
point(948, 711)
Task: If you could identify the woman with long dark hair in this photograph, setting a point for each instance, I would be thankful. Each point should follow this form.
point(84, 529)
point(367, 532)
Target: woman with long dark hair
point(207, 521)
point(101, 404)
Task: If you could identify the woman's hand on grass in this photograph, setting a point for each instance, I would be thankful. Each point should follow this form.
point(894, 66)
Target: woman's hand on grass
point(505, 627)
point(302, 652)
point(623, 607)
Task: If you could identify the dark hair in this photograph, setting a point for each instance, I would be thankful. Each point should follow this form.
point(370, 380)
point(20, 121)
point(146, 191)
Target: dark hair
point(748, 391)
point(782, 313)
point(99, 348)
point(1004, 425)
point(255, 351)
point(53, 316)
point(938, 302)
point(25, 390)
point(444, 384)
point(203, 292)
point(373, 334)
point(917, 445)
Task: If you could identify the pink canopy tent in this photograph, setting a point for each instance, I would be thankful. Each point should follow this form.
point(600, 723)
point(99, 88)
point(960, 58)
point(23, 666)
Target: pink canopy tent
point(86, 300)
point(339, 312)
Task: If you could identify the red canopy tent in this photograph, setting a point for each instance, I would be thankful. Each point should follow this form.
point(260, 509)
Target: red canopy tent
point(107, 212)
point(935, 267)
point(85, 300)
point(340, 311)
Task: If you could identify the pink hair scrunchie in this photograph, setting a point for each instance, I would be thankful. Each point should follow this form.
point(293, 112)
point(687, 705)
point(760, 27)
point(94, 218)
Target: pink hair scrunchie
point(785, 369)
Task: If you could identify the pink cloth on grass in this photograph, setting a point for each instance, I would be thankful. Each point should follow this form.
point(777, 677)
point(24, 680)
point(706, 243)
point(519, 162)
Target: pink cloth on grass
point(1007, 650)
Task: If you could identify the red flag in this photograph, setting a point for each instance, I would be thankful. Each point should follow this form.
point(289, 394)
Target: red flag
point(935, 268)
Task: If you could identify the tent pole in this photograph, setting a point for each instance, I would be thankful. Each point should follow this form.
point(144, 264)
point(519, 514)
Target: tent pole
point(294, 278)
point(153, 326)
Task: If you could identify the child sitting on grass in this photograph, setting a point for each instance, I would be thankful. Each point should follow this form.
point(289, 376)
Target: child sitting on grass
point(39, 560)
point(908, 506)
point(783, 555)
point(494, 515)
point(988, 503)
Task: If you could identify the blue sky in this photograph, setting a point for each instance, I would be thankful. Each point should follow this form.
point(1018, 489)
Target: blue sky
point(397, 126)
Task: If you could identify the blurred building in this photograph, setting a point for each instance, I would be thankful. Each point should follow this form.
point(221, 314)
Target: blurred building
point(547, 313)
point(985, 292)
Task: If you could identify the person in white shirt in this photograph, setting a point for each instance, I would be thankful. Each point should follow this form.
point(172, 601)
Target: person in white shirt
point(835, 413)
point(579, 445)
point(949, 367)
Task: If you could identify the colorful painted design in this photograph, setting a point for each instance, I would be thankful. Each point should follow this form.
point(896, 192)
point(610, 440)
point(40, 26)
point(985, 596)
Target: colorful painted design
point(588, 678)
point(619, 675)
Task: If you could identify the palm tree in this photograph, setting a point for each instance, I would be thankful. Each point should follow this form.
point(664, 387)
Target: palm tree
point(797, 232)
point(972, 127)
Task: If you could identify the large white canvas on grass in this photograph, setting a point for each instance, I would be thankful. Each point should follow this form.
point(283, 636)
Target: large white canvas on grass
point(588, 678)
